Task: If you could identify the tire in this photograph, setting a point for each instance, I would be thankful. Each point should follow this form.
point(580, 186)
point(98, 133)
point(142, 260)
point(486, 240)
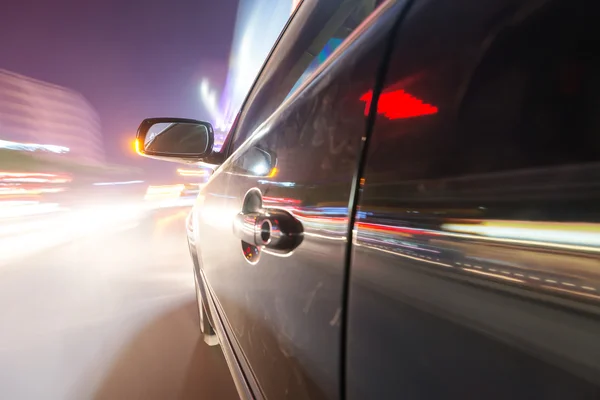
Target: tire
point(206, 330)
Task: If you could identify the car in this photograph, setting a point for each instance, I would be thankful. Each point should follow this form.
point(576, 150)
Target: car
point(416, 217)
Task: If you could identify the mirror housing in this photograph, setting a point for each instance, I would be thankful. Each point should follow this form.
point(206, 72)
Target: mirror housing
point(177, 139)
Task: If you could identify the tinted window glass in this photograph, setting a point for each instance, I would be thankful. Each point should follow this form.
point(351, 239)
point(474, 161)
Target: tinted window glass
point(316, 30)
point(355, 15)
point(527, 97)
point(535, 98)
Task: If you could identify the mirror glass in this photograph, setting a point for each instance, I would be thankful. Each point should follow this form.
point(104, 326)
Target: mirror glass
point(177, 138)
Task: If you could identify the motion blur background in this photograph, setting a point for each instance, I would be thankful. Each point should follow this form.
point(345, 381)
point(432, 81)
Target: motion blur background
point(96, 286)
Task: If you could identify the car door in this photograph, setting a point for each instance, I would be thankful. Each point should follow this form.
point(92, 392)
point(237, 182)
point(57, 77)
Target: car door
point(282, 301)
point(476, 259)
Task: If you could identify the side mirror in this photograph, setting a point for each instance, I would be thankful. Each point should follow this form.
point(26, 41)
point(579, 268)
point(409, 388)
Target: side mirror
point(177, 139)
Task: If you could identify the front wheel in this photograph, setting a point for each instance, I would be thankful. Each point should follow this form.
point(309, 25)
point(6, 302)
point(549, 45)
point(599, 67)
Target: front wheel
point(208, 334)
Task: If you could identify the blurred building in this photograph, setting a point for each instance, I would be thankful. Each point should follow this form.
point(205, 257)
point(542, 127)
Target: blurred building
point(257, 27)
point(46, 118)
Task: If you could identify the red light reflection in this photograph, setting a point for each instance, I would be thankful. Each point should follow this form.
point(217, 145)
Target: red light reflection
point(398, 104)
point(403, 231)
point(280, 200)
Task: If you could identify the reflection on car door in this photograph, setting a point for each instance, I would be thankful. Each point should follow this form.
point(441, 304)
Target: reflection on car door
point(284, 305)
point(475, 268)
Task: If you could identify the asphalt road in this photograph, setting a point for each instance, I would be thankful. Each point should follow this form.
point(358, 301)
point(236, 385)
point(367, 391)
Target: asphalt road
point(110, 316)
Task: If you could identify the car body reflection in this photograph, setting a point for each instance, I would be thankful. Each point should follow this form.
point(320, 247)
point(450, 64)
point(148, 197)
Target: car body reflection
point(549, 267)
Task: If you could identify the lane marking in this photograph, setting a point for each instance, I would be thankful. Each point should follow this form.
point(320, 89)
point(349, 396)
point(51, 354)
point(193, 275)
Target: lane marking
point(572, 292)
point(494, 275)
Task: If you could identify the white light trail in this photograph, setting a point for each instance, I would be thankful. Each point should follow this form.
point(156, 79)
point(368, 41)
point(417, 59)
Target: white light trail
point(6, 144)
point(116, 183)
point(258, 25)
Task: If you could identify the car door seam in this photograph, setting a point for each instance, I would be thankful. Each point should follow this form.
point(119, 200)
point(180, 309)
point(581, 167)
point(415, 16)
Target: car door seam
point(355, 192)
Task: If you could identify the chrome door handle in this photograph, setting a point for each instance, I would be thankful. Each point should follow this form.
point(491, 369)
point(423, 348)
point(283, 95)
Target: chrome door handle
point(267, 228)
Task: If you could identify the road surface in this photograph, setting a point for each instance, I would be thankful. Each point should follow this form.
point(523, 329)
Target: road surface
point(108, 316)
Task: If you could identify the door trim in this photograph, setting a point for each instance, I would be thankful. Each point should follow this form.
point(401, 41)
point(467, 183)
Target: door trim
point(241, 372)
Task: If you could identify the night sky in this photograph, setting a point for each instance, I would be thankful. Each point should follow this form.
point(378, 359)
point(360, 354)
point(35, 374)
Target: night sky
point(130, 58)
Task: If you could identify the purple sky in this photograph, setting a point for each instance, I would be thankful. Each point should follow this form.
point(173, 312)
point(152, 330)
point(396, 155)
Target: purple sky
point(130, 58)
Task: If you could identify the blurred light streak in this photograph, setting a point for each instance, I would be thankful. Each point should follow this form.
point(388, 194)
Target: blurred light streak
point(399, 230)
point(116, 183)
point(13, 191)
point(282, 184)
point(24, 239)
point(281, 200)
point(320, 236)
point(556, 233)
point(36, 180)
point(34, 177)
point(395, 243)
point(591, 296)
point(320, 211)
point(524, 242)
point(167, 196)
point(211, 104)
point(6, 144)
point(23, 174)
point(193, 172)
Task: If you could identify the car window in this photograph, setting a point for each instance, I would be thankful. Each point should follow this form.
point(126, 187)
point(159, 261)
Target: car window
point(535, 97)
point(532, 101)
point(354, 14)
point(317, 28)
point(329, 47)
